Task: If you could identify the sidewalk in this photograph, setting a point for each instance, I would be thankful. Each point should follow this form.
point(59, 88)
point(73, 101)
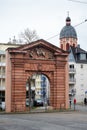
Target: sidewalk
point(81, 108)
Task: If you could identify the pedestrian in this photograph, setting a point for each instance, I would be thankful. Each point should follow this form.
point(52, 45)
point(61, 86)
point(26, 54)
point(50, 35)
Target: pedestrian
point(74, 101)
point(70, 102)
point(85, 101)
point(74, 104)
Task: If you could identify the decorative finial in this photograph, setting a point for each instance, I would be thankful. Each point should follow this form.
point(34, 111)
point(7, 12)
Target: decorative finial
point(68, 13)
point(68, 20)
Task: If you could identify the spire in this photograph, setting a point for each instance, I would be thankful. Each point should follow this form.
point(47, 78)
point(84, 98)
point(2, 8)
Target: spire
point(67, 13)
point(68, 35)
point(68, 20)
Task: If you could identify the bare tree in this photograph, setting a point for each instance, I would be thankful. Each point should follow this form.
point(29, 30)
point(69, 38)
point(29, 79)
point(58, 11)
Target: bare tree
point(29, 35)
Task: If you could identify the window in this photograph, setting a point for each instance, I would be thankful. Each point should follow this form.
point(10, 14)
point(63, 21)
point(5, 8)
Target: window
point(82, 56)
point(2, 95)
point(0, 58)
point(67, 46)
point(71, 66)
point(81, 65)
point(0, 70)
point(82, 85)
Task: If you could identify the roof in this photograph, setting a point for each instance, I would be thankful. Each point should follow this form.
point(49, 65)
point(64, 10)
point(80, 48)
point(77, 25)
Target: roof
point(39, 42)
point(39, 46)
point(68, 31)
point(76, 53)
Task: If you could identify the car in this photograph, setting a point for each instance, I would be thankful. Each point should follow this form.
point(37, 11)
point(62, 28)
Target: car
point(38, 102)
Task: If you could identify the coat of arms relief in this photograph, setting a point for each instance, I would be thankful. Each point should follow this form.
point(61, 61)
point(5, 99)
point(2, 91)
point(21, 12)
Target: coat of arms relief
point(40, 53)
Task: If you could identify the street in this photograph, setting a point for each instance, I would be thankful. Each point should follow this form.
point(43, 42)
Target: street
point(73, 120)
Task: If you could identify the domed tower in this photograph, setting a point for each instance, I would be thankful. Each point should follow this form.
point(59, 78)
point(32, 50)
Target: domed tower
point(68, 35)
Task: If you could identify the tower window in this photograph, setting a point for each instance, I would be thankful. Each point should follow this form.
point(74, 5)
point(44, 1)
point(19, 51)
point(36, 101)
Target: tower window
point(67, 46)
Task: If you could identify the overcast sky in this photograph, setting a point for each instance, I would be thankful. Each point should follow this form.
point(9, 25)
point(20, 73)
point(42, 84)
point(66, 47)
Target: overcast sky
point(47, 17)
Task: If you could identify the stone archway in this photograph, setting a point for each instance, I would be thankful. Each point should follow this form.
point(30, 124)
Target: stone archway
point(51, 77)
point(37, 57)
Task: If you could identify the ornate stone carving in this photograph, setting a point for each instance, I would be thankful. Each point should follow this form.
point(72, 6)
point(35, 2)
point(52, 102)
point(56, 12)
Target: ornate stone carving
point(50, 56)
point(31, 54)
point(40, 52)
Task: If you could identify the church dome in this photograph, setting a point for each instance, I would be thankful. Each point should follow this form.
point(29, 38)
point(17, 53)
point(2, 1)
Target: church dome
point(68, 31)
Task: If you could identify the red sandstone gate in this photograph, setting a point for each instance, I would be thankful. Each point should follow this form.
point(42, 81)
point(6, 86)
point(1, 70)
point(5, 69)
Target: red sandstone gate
point(36, 57)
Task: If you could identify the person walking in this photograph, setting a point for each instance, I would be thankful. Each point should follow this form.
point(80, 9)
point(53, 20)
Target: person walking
point(74, 104)
point(85, 101)
point(70, 101)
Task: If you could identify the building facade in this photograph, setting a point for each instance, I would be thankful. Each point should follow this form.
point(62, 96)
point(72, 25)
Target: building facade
point(79, 65)
point(77, 62)
point(3, 48)
point(2, 76)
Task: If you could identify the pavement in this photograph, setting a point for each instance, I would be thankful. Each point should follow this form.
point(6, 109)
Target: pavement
point(68, 120)
point(80, 108)
point(73, 120)
point(77, 107)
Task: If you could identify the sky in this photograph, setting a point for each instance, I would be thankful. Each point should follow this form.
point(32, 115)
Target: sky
point(47, 17)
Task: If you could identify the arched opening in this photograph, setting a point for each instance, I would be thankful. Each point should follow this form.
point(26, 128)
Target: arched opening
point(37, 91)
point(67, 46)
